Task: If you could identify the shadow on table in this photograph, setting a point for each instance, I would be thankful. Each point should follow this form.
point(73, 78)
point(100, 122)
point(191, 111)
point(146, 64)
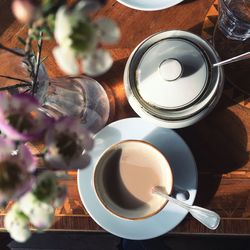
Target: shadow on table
point(196, 29)
point(219, 145)
point(186, 2)
point(236, 87)
point(112, 82)
point(219, 142)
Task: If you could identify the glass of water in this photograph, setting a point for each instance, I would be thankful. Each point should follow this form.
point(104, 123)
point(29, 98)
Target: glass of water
point(234, 19)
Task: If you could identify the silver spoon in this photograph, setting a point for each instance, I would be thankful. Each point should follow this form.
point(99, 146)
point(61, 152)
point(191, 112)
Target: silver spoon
point(233, 59)
point(207, 217)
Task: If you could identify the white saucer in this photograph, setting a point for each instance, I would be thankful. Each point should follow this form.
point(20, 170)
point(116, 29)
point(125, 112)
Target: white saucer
point(149, 5)
point(179, 157)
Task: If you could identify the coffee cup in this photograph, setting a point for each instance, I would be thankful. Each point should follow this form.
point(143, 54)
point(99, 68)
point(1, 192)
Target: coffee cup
point(125, 175)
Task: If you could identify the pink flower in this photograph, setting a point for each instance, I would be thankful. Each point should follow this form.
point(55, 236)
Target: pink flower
point(16, 169)
point(68, 144)
point(20, 118)
point(25, 10)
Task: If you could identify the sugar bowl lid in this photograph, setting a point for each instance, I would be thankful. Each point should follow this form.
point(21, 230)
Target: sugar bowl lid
point(171, 74)
point(169, 78)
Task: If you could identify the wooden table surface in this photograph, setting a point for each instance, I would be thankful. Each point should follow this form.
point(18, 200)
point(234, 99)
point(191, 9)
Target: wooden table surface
point(220, 142)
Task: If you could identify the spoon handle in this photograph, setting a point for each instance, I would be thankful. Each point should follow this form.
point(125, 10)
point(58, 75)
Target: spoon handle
point(233, 59)
point(207, 217)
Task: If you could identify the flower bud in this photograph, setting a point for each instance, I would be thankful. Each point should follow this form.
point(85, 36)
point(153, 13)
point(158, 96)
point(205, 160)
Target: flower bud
point(25, 10)
point(17, 224)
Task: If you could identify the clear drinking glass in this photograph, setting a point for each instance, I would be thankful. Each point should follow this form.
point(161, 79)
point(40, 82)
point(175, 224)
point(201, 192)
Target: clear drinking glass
point(234, 19)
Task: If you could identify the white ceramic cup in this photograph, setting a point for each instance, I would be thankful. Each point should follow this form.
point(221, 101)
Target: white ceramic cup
point(125, 175)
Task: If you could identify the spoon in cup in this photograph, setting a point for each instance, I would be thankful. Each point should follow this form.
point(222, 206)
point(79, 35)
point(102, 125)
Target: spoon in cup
point(207, 217)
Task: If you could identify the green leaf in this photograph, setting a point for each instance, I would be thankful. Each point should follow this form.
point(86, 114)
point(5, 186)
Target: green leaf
point(21, 40)
point(51, 6)
point(51, 22)
point(83, 36)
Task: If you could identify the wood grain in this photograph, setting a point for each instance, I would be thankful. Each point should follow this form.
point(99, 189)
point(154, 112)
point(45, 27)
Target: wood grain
point(220, 142)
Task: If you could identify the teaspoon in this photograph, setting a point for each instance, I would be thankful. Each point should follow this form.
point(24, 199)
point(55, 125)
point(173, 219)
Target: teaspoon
point(233, 59)
point(207, 217)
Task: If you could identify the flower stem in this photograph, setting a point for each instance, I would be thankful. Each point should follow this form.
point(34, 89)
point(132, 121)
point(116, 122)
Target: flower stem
point(28, 51)
point(21, 85)
point(13, 51)
point(16, 79)
point(28, 41)
point(38, 62)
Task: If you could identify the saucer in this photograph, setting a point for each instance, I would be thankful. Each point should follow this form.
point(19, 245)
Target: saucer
point(149, 5)
point(183, 166)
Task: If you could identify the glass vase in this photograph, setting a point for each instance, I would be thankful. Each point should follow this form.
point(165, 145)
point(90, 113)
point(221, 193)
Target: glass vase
point(80, 97)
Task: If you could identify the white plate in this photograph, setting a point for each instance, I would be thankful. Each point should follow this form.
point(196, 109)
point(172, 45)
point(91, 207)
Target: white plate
point(179, 157)
point(149, 5)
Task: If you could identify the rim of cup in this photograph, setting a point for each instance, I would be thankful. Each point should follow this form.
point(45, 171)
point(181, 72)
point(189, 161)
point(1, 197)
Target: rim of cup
point(104, 203)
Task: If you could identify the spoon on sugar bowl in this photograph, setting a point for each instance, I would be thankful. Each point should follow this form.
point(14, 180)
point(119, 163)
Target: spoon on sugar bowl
point(240, 57)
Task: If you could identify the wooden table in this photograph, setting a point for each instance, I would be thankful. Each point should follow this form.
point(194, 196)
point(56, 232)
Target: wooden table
point(220, 142)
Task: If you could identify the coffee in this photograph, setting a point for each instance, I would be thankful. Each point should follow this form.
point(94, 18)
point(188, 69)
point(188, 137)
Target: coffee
point(127, 172)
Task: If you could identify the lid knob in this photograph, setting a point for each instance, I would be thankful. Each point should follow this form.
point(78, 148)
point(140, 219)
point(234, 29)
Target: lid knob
point(170, 69)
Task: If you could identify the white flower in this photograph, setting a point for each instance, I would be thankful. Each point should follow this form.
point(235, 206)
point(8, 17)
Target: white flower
point(40, 214)
point(17, 224)
point(63, 27)
point(108, 31)
point(66, 60)
point(74, 30)
point(88, 6)
point(79, 40)
point(97, 63)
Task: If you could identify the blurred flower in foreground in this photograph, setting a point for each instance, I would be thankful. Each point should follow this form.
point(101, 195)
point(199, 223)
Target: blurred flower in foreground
point(25, 11)
point(79, 40)
point(36, 206)
point(67, 144)
point(17, 224)
point(15, 170)
point(40, 213)
point(20, 118)
point(39, 204)
point(48, 190)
